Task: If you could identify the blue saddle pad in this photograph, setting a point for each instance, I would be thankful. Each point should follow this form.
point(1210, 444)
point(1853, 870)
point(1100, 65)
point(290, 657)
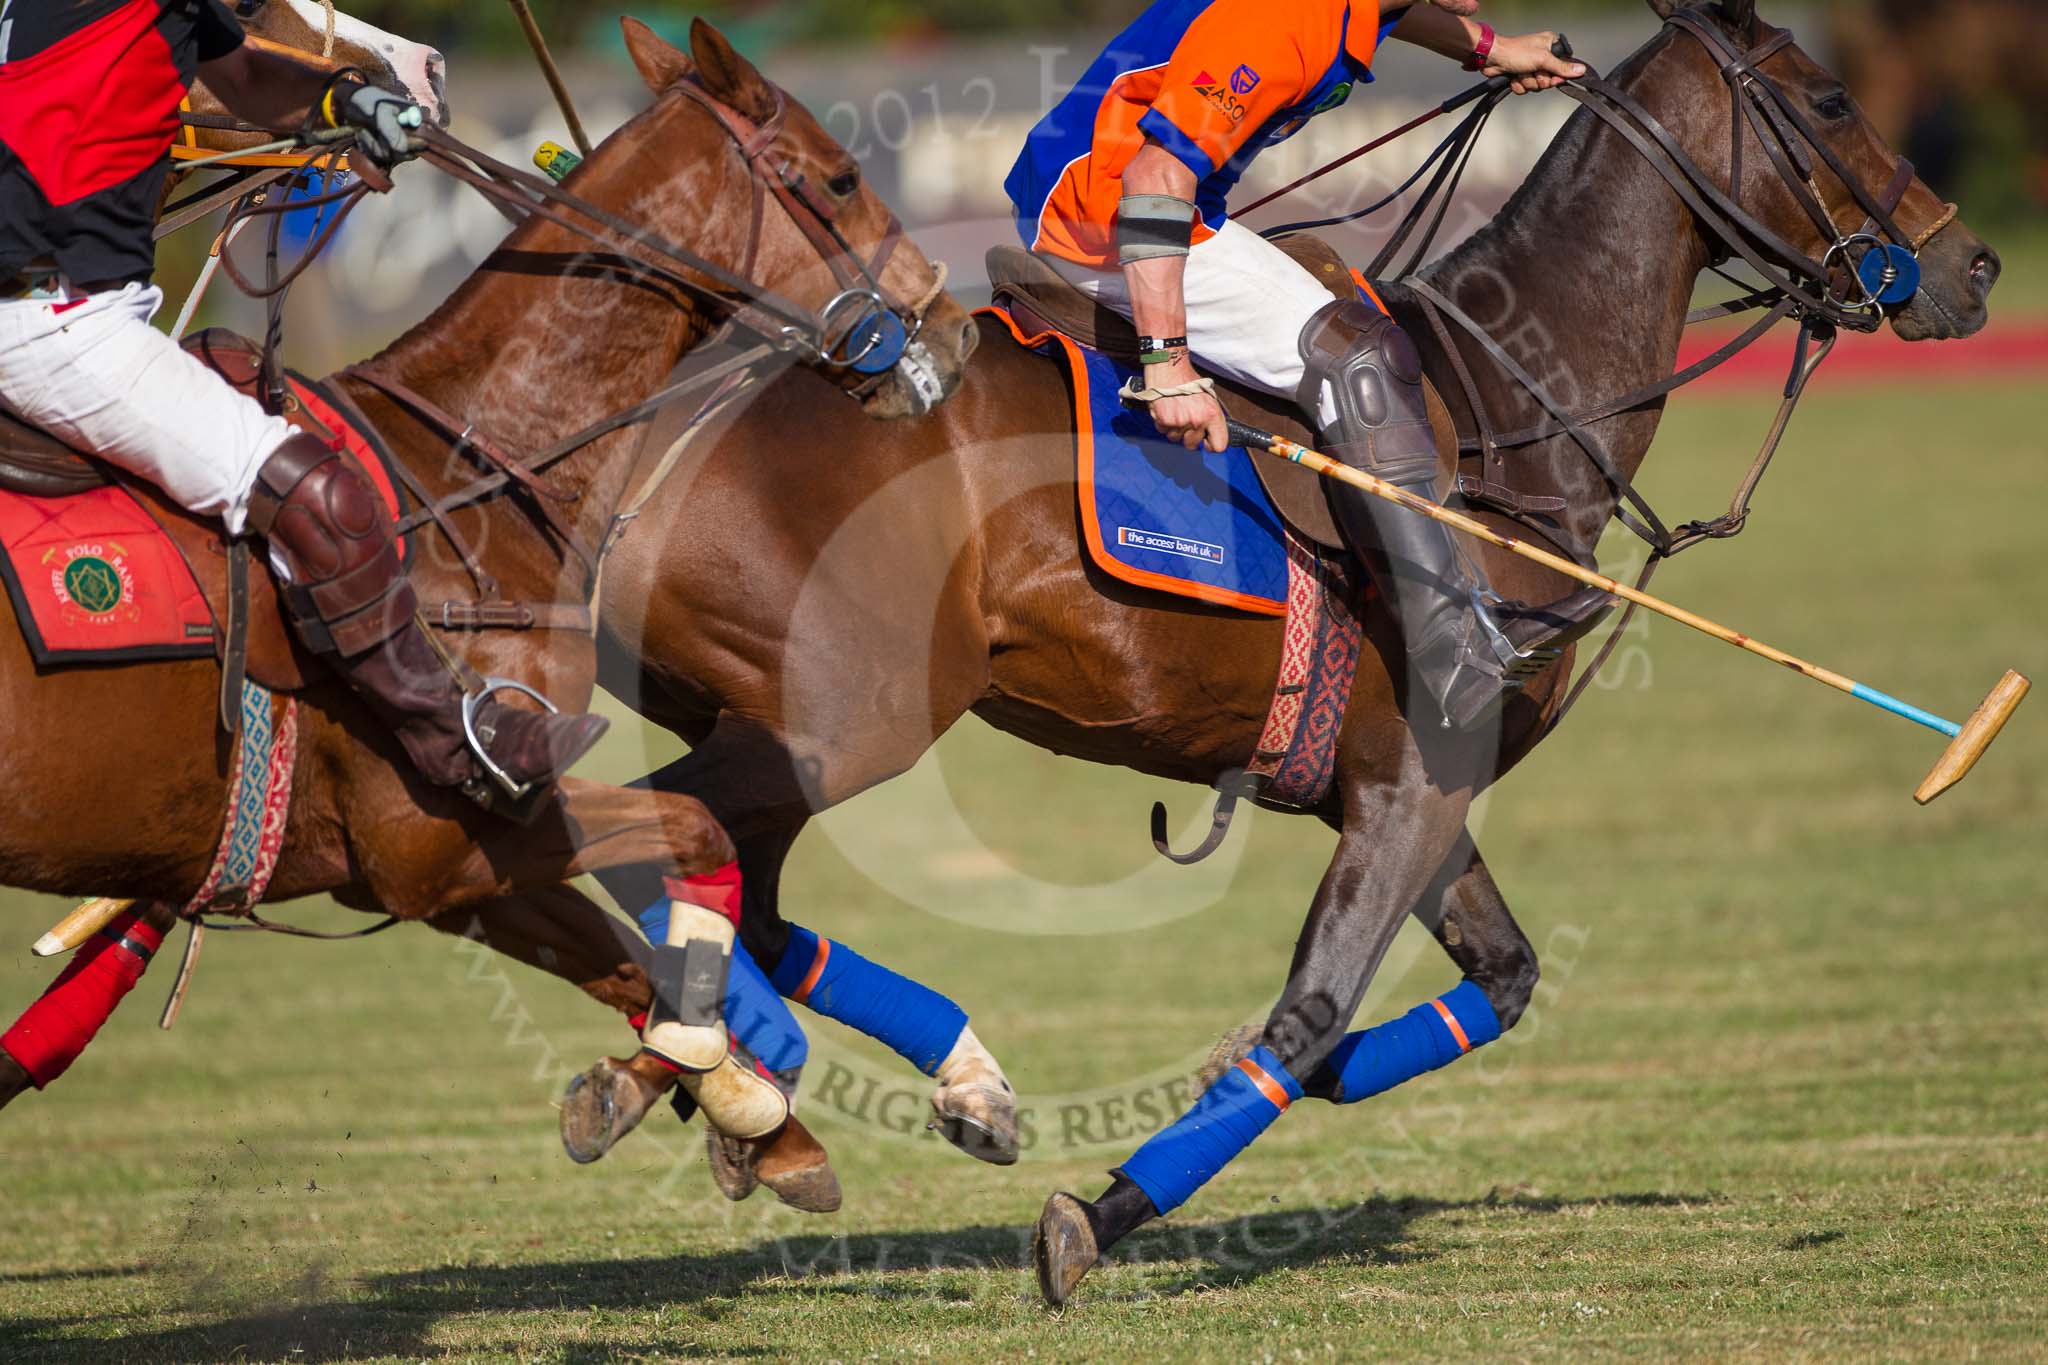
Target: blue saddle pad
point(1189, 522)
point(1185, 522)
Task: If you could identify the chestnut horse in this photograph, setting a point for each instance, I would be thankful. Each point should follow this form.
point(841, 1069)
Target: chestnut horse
point(934, 568)
point(549, 336)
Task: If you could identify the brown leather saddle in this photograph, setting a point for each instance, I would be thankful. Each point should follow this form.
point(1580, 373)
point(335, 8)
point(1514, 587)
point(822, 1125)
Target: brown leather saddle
point(34, 463)
point(1041, 299)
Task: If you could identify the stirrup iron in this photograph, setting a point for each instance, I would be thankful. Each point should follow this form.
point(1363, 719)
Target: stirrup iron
point(514, 791)
point(1517, 666)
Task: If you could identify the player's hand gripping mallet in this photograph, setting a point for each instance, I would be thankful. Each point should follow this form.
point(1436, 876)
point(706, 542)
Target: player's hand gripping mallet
point(1967, 742)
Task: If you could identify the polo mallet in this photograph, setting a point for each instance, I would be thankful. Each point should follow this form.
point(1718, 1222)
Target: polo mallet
point(1967, 742)
point(80, 925)
point(551, 73)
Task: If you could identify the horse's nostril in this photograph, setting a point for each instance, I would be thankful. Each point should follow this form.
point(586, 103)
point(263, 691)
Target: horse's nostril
point(1985, 270)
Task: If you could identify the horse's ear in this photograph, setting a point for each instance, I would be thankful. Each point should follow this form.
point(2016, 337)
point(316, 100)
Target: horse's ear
point(728, 75)
point(1739, 15)
point(1665, 8)
point(661, 65)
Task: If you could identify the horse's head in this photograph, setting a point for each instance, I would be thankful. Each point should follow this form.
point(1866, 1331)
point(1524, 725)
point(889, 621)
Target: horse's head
point(1750, 106)
point(788, 205)
point(397, 64)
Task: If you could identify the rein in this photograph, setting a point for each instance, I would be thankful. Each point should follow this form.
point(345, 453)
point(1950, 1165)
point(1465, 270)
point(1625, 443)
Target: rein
point(859, 335)
point(1857, 275)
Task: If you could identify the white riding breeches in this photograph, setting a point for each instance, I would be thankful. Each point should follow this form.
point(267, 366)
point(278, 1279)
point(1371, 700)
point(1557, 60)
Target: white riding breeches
point(91, 371)
point(1247, 302)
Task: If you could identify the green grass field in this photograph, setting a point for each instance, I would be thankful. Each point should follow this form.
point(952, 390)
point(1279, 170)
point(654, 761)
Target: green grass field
point(1781, 1096)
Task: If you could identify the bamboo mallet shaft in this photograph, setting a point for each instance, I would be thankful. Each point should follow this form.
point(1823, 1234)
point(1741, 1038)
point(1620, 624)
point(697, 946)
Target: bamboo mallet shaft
point(551, 73)
point(80, 925)
point(1968, 741)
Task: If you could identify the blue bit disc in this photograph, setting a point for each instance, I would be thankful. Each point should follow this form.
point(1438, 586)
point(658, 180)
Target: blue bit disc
point(1890, 274)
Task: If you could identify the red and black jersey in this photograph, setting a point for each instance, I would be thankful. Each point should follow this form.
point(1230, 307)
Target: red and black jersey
point(89, 94)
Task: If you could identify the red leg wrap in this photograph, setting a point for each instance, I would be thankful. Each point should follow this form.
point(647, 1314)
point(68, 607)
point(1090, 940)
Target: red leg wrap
point(51, 1034)
point(718, 890)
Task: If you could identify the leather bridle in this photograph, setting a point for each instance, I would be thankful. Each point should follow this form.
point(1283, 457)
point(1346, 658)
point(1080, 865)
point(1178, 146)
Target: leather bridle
point(1816, 292)
point(1831, 287)
point(856, 339)
point(1858, 275)
point(861, 328)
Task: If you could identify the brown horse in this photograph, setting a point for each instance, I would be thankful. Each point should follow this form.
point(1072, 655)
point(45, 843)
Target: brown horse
point(932, 569)
point(550, 335)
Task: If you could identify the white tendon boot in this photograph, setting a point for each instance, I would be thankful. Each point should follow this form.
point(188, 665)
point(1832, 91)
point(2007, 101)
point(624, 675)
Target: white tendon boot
point(686, 1027)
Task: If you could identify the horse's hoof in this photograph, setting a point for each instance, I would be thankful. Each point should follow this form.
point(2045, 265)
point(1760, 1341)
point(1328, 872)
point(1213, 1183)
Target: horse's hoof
point(979, 1119)
point(1232, 1048)
point(14, 1079)
point(1062, 1248)
point(795, 1166)
point(732, 1164)
point(588, 1113)
point(601, 1106)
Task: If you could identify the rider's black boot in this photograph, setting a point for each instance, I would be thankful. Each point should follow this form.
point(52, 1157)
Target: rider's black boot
point(1467, 648)
point(353, 605)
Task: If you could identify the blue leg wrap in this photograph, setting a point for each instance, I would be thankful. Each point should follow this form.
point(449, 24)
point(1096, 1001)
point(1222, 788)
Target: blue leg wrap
point(753, 1008)
point(915, 1020)
point(1181, 1158)
point(1431, 1035)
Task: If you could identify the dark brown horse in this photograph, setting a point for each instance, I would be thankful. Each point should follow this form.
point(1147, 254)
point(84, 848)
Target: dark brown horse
point(810, 601)
point(551, 334)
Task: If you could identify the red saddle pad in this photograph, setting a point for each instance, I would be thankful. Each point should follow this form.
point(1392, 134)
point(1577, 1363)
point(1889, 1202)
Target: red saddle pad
point(94, 580)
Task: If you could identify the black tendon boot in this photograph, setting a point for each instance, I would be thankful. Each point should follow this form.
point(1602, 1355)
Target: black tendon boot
point(353, 605)
point(1467, 648)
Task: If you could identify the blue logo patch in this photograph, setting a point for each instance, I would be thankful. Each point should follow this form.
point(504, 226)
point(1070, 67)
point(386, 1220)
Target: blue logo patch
point(1170, 545)
point(1244, 80)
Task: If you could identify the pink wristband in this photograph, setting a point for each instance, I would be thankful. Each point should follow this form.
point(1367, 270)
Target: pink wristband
point(1483, 49)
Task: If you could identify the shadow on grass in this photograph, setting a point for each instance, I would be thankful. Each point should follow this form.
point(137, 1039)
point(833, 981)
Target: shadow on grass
point(396, 1314)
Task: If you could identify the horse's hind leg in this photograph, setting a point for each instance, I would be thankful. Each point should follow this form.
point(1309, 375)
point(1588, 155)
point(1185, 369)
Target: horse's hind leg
point(1472, 921)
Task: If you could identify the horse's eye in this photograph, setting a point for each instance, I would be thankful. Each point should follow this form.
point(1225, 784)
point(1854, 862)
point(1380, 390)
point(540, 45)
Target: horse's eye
point(844, 183)
point(246, 9)
point(1835, 107)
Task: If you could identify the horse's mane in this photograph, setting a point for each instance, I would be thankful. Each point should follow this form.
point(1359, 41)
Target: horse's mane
point(1553, 175)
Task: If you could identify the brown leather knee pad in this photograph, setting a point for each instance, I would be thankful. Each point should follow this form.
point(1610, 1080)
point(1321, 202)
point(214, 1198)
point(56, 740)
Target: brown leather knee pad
point(1374, 373)
point(349, 592)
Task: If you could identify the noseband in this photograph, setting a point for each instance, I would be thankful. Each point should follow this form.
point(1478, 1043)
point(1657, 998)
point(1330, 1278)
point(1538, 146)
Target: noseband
point(1860, 272)
point(861, 329)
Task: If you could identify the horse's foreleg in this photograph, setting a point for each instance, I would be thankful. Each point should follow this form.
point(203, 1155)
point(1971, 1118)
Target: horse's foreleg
point(52, 1033)
point(749, 781)
point(1393, 844)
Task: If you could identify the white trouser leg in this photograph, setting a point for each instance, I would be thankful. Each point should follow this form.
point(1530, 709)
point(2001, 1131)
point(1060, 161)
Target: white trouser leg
point(1247, 303)
point(100, 378)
